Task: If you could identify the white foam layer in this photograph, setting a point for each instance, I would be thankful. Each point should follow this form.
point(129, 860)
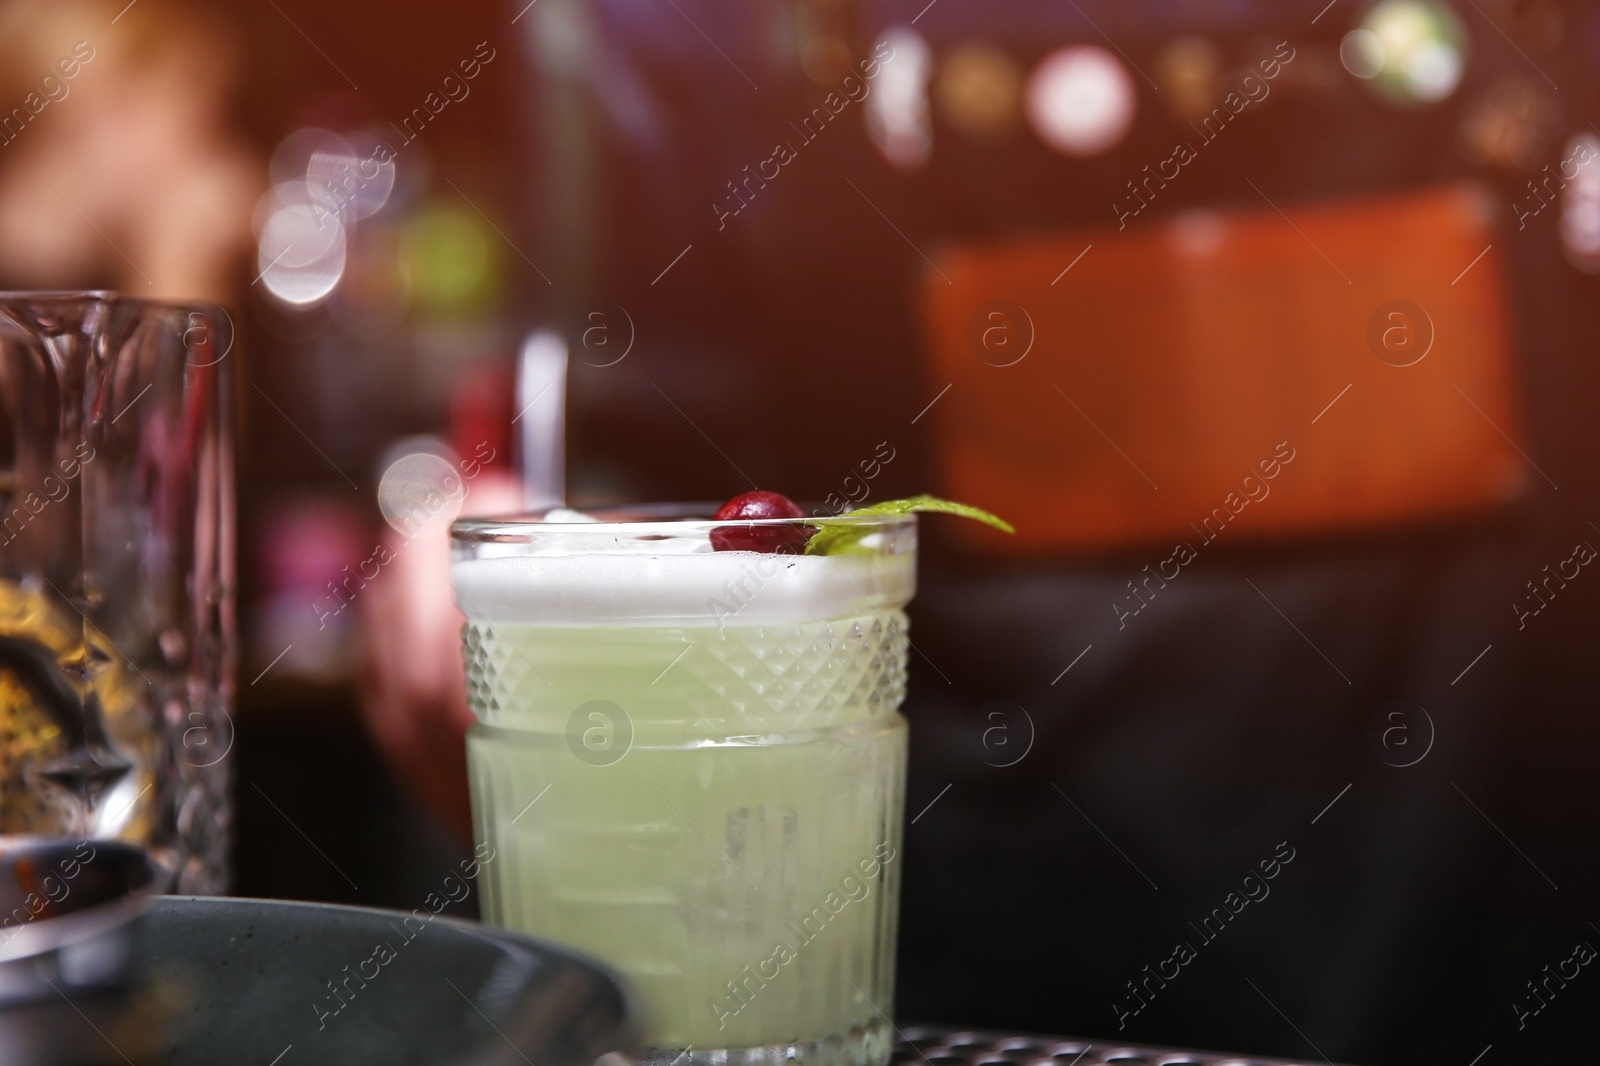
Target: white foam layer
point(704, 588)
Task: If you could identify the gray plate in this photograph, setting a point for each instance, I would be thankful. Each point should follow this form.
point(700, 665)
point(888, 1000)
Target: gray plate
point(254, 981)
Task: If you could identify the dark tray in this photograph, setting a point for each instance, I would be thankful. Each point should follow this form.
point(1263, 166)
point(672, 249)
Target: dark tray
point(935, 1045)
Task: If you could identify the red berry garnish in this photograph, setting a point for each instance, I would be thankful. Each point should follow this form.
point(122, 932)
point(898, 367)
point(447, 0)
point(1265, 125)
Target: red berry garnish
point(774, 540)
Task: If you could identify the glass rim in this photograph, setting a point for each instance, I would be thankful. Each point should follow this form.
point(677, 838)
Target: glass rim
point(105, 296)
point(661, 520)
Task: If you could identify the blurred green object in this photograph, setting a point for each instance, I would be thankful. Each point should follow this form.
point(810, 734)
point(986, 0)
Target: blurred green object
point(451, 256)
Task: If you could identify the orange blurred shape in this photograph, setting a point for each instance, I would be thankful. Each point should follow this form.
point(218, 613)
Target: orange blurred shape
point(1123, 397)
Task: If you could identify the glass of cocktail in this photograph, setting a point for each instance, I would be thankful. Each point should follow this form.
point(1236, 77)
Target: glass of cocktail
point(689, 761)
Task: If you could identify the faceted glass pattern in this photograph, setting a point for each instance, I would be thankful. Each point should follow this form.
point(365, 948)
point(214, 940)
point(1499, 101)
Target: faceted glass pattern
point(739, 861)
point(116, 576)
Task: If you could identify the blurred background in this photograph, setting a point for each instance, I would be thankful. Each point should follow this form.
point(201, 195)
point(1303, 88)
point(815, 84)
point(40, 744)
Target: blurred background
point(1269, 324)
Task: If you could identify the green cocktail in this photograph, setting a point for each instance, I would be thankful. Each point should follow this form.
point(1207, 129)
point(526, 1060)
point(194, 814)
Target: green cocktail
point(690, 763)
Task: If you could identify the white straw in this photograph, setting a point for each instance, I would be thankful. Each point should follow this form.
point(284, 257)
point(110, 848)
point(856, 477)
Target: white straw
point(542, 410)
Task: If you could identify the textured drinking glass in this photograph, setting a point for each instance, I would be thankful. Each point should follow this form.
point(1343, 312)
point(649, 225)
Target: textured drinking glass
point(691, 764)
point(116, 576)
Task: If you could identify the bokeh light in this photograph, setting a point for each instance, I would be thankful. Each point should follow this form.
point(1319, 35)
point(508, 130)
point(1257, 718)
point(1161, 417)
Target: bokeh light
point(323, 184)
point(291, 159)
point(1361, 52)
point(1190, 67)
point(300, 244)
point(421, 491)
point(980, 91)
point(1081, 101)
point(897, 114)
point(1580, 203)
point(1512, 123)
point(448, 255)
point(1410, 51)
point(356, 181)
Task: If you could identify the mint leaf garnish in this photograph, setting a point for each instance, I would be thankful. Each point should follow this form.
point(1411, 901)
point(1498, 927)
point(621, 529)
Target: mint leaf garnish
point(838, 535)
